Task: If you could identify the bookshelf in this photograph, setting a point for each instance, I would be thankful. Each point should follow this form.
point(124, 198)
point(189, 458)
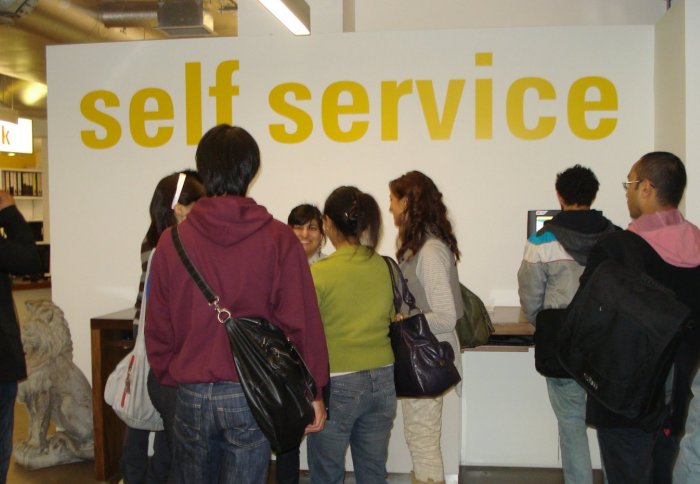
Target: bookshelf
point(26, 186)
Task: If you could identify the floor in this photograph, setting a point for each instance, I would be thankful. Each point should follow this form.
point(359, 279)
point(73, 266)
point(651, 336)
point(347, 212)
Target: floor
point(83, 473)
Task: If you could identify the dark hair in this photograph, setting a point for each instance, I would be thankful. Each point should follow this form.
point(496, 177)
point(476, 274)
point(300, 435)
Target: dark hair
point(227, 158)
point(305, 213)
point(355, 214)
point(666, 172)
point(162, 215)
point(577, 185)
point(425, 215)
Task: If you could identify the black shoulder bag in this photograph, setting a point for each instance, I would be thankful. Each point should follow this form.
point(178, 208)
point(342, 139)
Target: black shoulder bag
point(619, 337)
point(277, 384)
point(423, 366)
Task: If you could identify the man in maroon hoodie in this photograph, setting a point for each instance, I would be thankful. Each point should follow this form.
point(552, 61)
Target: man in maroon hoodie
point(257, 267)
point(661, 243)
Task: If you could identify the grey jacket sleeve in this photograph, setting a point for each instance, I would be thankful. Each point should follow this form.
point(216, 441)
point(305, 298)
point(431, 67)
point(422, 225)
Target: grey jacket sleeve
point(532, 282)
point(433, 271)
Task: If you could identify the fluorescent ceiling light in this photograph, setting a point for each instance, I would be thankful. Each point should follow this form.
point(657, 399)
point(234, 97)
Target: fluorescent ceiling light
point(294, 14)
point(33, 93)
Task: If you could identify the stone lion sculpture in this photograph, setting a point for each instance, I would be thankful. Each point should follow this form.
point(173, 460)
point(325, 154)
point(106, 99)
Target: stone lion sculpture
point(55, 390)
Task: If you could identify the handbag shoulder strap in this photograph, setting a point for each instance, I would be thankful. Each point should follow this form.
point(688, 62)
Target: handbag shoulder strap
point(212, 299)
point(400, 294)
point(144, 298)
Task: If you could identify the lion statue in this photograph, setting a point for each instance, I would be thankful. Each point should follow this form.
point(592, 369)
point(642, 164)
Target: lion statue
point(55, 390)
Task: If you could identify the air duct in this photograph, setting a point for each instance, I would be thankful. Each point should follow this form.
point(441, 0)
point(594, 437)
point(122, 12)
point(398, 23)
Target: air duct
point(184, 18)
point(10, 10)
point(128, 14)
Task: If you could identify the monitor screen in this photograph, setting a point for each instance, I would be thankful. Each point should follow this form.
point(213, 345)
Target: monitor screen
point(537, 218)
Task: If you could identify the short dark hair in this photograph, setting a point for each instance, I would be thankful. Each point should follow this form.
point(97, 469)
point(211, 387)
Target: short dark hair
point(666, 172)
point(228, 159)
point(355, 214)
point(305, 213)
point(577, 185)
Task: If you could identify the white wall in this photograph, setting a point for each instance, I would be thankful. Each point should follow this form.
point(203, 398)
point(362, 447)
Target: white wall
point(99, 197)
point(670, 82)
point(372, 15)
point(692, 123)
point(677, 95)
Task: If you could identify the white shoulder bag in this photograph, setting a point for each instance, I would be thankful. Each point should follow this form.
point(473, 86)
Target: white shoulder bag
point(126, 389)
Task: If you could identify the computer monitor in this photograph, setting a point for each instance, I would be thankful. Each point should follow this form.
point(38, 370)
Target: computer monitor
point(537, 218)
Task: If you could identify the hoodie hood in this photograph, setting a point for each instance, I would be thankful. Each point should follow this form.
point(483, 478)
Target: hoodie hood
point(227, 220)
point(579, 230)
point(676, 240)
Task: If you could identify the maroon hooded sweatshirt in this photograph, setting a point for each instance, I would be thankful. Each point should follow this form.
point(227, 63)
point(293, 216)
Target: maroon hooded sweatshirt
point(256, 266)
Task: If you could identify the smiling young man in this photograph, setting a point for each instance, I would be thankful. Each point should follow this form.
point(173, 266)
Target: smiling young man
point(661, 243)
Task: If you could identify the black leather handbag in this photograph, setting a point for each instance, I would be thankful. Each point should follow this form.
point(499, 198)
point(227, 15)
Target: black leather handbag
point(277, 384)
point(423, 366)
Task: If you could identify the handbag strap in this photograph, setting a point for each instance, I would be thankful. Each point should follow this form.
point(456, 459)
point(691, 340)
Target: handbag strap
point(212, 299)
point(403, 294)
point(140, 337)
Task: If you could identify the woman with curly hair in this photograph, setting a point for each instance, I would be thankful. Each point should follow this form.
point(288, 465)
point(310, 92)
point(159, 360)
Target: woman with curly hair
point(428, 255)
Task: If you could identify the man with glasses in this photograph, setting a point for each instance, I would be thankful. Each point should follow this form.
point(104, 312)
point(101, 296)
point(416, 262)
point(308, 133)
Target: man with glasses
point(661, 243)
point(554, 259)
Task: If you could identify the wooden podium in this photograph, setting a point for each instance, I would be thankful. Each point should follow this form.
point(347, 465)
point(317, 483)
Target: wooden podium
point(112, 339)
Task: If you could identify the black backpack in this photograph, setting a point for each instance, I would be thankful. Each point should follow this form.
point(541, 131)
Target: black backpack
point(619, 336)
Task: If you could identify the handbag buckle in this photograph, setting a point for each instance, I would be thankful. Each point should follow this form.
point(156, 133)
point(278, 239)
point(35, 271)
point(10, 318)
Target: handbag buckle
point(222, 314)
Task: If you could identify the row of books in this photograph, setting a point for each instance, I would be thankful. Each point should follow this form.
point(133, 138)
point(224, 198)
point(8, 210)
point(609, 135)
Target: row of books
point(22, 183)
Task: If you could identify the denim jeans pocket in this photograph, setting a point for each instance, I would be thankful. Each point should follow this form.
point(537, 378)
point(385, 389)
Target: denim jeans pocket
point(188, 416)
point(344, 403)
point(236, 418)
point(388, 391)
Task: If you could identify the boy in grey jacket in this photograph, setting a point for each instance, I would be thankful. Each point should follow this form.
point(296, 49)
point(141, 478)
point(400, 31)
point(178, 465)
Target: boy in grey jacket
point(548, 277)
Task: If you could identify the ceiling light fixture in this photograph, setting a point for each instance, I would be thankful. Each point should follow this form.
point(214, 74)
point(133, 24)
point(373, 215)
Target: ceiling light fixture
point(294, 14)
point(8, 115)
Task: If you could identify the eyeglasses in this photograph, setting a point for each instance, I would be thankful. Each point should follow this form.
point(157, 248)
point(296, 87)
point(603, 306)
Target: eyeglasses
point(178, 190)
point(626, 184)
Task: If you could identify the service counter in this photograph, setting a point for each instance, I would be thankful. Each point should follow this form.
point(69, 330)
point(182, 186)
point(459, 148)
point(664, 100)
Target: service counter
point(503, 418)
point(507, 420)
point(111, 339)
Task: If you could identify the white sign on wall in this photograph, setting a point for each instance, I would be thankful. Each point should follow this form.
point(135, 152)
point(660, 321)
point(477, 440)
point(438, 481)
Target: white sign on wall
point(16, 138)
point(490, 115)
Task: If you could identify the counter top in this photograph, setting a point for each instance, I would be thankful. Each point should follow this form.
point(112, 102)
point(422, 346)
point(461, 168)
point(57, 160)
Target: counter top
point(510, 326)
point(20, 285)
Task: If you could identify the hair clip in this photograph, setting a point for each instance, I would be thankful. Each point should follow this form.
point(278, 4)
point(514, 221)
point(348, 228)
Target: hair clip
point(178, 190)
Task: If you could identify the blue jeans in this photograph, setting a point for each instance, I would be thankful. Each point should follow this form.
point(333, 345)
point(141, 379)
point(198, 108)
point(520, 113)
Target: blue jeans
point(687, 469)
point(568, 401)
point(8, 394)
point(216, 437)
point(361, 413)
